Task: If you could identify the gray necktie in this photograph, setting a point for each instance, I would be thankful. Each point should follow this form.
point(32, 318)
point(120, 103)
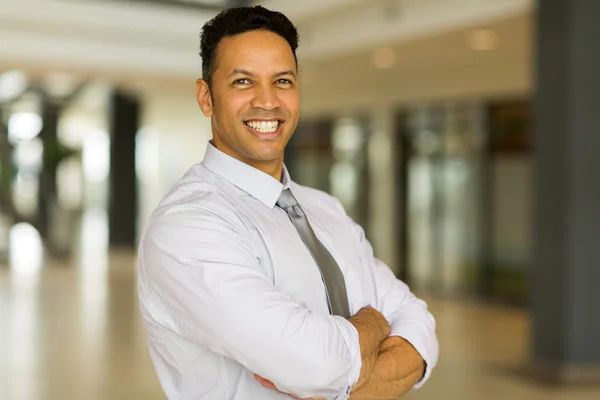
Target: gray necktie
point(335, 285)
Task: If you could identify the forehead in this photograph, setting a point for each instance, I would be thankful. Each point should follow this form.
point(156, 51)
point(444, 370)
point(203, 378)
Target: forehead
point(255, 49)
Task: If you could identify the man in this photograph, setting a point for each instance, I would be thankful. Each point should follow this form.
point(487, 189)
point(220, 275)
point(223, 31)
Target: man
point(254, 287)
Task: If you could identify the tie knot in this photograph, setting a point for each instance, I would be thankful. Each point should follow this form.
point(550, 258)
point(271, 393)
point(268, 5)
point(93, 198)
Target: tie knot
point(286, 200)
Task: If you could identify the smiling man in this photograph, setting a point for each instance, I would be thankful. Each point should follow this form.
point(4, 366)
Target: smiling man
point(252, 286)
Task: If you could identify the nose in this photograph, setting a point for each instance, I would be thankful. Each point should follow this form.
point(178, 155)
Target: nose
point(265, 98)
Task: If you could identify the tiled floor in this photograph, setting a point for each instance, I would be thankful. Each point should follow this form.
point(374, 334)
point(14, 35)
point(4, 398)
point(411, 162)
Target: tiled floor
point(72, 331)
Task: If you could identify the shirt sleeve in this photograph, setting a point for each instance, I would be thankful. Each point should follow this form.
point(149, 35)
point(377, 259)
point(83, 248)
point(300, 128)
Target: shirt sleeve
point(407, 315)
point(201, 279)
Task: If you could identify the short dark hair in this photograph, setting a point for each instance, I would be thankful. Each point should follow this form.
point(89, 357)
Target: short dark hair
point(235, 21)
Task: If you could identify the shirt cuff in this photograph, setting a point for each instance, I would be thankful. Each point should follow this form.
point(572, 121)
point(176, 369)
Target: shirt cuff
point(418, 337)
point(350, 335)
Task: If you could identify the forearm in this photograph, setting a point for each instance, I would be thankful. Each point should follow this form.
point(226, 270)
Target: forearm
point(397, 369)
point(373, 330)
point(408, 316)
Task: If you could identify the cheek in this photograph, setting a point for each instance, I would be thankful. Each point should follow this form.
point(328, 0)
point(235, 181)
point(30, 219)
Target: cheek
point(291, 99)
point(236, 103)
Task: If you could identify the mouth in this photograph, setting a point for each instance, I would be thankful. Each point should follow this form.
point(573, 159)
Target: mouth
point(268, 128)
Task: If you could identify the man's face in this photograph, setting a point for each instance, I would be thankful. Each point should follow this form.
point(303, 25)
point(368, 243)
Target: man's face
point(255, 98)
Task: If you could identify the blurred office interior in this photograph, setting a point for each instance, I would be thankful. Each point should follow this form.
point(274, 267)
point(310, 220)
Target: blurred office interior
point(424, 117)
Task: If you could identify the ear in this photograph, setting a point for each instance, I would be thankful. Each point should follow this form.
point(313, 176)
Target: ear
point(204, 98)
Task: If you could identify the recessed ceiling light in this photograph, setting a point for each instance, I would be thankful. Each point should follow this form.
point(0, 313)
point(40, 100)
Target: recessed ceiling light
point(482, 40)
point(384, 57)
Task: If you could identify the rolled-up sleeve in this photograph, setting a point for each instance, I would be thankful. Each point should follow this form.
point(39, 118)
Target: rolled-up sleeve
point(201, 278)
point(407, 315)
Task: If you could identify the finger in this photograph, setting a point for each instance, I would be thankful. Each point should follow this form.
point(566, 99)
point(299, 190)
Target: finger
point(270, 385)
point(265, 382)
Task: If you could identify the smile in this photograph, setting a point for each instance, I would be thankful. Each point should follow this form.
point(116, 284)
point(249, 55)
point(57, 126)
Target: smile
point(270, 126)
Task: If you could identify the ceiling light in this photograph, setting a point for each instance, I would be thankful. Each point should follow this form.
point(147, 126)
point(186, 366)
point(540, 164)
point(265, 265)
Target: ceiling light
point(482, 40)
point(59, 85)
point(384, 57)
point(12, 84)
point(23, 126)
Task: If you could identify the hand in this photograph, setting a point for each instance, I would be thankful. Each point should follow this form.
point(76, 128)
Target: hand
point(269, 385)
point(373, 329)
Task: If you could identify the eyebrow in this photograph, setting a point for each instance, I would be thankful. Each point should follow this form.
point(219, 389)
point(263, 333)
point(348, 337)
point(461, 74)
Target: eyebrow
point(284, 73)
point(239, 71)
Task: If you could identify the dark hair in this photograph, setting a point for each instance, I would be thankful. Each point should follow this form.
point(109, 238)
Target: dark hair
point(235, 21)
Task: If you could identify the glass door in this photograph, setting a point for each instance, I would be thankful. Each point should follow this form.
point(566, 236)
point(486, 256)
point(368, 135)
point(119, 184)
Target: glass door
point(443, 174)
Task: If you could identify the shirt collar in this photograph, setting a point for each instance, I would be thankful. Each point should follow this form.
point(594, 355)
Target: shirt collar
point(256, 183)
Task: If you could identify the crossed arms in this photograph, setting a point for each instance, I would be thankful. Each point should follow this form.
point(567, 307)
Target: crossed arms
point(390, 365)
point(397, 369)
point(200, 279)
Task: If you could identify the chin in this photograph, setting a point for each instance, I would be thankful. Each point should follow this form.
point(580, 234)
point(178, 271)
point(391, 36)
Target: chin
point(267, 154)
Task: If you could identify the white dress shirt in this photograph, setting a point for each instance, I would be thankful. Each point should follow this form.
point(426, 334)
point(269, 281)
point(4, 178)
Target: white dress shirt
point(228, 289)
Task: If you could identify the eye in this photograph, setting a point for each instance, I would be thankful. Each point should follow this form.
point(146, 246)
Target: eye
point(284, 81)
point(243, 81)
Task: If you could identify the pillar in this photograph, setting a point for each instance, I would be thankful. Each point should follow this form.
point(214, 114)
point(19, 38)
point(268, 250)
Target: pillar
point(566, 273)
point(124, 115)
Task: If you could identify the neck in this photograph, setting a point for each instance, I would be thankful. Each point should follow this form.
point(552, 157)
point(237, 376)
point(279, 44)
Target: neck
point(273, 168)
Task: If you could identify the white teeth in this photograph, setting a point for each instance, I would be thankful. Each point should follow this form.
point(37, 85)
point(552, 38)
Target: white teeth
point(264, 126)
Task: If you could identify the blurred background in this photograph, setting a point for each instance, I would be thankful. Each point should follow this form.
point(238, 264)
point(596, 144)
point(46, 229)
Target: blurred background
point(462, 134)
